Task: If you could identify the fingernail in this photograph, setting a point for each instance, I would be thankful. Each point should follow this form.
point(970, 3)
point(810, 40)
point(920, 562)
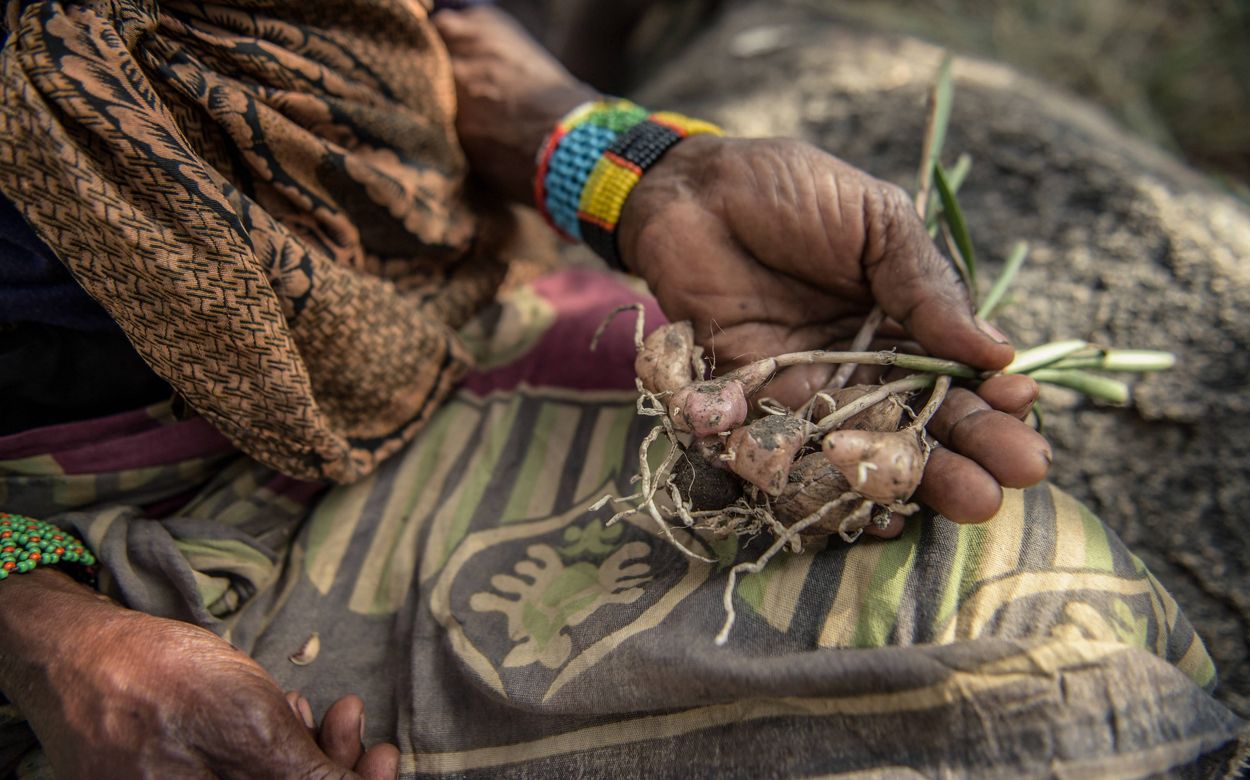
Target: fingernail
point(305, 712)
point(362, 728)
point(992, 332)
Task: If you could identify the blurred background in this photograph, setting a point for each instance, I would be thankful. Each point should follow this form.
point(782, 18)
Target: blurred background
point(1176, 72)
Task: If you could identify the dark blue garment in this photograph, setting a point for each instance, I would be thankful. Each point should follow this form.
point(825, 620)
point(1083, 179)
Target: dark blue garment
point(35, 287)
point(458, 5)
point(61, 357)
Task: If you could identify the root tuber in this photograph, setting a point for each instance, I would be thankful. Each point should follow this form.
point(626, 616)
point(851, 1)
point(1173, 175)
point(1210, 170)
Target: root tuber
point(704, 483)
point(761, 453)
point(709, 408)
point(884, 467)
point(664, 364)
point(884, 415)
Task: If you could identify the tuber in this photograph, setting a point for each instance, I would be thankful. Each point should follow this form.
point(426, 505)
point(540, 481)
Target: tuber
point(813, 482)
point(708, 408)
point(882, 416)
point(881, 466)
point(704, 482)
point(664, 364)
point(761, 453)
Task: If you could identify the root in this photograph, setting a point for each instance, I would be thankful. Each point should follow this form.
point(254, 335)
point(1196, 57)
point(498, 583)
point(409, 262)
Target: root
point(660, 497)
point(648, 404)
point(639, 323)
point(787, 536)
point(650, 484)
point(862, 339)
point(772, 406)
point(940, 388)
point(867, 400)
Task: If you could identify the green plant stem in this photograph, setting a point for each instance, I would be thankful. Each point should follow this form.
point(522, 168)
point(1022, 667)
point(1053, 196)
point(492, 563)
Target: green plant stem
point(1037, 357)
point(995, 296)
point(862, 339)
point(939, 115)
point(1102, 388)
point(956, 175)
point(1129, 360)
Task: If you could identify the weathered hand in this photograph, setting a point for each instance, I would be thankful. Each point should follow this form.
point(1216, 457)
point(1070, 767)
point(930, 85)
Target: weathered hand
point(128, 695)
point(768, 247)
point(772, 246)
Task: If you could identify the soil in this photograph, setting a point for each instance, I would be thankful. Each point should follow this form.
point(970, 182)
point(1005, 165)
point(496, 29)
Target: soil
point(1130, 249)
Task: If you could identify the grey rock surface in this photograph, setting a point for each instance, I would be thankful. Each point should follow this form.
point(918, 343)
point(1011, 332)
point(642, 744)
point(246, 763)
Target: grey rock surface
point(1130, 249)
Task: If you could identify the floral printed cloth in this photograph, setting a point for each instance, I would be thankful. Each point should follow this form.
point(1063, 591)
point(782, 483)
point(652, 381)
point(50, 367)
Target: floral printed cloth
point(268, 197)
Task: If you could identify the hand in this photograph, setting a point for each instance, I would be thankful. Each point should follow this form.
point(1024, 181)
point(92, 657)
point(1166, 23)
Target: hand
point(772, 246)
point(115, 693)
point(768, 247)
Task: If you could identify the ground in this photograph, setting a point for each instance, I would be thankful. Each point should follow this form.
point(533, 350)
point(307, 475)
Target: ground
point(1130, 249)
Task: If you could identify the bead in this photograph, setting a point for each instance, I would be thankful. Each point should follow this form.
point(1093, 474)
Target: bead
point(591, 161)
point(30, 543)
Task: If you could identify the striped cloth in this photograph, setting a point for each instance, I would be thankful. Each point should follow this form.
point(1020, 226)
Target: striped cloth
point(497, 627)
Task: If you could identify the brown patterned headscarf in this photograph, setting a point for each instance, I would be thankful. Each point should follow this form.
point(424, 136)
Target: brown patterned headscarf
point(267, 196)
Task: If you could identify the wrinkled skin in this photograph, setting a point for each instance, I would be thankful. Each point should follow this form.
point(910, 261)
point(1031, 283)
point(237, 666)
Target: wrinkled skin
point(772, 246)
point(767, 246)
point(149, 697)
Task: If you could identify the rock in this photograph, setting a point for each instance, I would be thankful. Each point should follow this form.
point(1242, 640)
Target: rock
point(1130, 249)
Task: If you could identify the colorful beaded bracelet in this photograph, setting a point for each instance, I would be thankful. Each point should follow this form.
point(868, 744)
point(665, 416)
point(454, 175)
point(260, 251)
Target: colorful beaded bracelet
point(26, 543)
point(591, 161)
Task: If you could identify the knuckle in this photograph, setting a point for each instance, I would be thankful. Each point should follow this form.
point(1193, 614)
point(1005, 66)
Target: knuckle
point(890, 222)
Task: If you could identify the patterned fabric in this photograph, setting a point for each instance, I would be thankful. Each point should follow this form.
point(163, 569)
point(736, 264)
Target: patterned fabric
point(267, 196)
point(497, 628)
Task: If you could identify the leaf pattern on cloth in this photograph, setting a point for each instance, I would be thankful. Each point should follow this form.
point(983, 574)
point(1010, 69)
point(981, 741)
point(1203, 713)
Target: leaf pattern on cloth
point(546, 596)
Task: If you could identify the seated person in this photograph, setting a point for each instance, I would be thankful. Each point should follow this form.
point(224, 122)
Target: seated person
point(317, 460)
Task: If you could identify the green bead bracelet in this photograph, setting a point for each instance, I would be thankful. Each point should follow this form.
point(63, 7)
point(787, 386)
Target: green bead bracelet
point(26, 543)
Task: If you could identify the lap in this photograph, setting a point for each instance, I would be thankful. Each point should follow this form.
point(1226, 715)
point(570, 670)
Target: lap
point(468, 581)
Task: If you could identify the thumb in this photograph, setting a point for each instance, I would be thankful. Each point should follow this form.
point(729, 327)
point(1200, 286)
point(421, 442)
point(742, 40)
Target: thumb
point(919, 288)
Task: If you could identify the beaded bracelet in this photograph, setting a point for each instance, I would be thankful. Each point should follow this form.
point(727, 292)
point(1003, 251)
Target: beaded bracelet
point(26, 543)
point(591, 161)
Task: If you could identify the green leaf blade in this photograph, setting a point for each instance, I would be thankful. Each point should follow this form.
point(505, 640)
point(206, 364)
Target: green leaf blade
point(941, 99)
point(954, 217)
point(1010, 268)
